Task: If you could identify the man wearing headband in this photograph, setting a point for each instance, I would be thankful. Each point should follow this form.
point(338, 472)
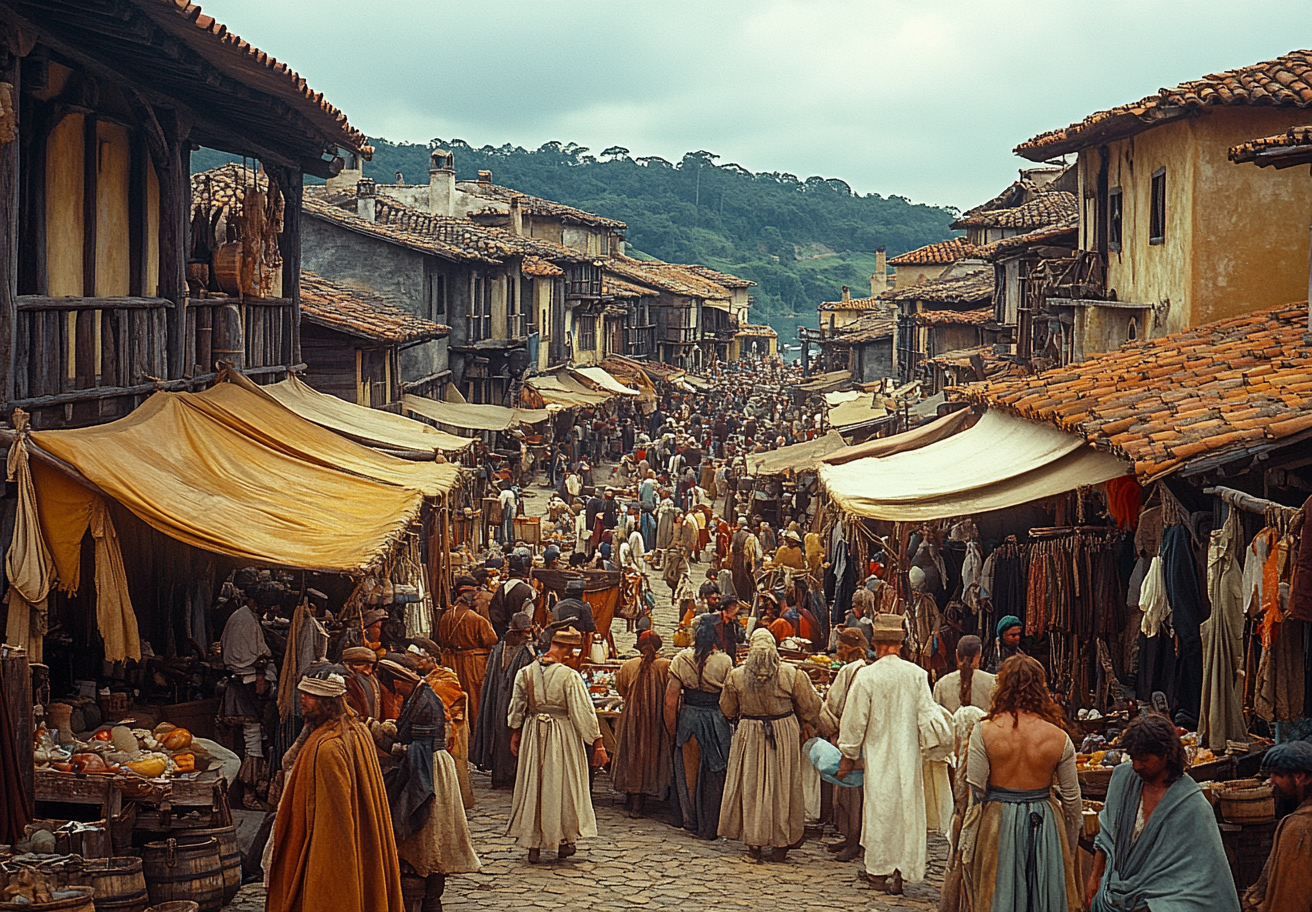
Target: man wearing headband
point(1286, 881)
point(332, 844)
point(553, 729)
point(363, 693)
point(466, 638)
point(490, 749)
point(428, 815)
point(1008, 643)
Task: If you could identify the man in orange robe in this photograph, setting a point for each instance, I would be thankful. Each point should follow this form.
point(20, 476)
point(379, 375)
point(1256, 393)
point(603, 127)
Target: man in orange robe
point(333, 808)
point(466, 638)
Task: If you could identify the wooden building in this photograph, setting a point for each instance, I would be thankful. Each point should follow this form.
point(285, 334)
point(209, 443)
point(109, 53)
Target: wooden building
point(352, 342)
point(104, 101)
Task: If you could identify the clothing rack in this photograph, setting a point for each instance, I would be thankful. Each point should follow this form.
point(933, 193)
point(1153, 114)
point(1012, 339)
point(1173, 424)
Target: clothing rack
point(1249, 502)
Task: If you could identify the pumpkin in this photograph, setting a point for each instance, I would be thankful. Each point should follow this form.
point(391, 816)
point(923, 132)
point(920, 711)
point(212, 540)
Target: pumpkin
point(88, 763)
point(150, 766)
point(184, 762)
point(177, 739)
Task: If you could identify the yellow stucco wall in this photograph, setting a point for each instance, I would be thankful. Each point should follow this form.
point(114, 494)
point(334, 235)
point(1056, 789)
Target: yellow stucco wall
point(113, 174)
point(64, 206)
point(1236, 235)
point(902, 276)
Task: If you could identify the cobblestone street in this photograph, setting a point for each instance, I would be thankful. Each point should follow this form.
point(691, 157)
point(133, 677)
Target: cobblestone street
point(647, 864)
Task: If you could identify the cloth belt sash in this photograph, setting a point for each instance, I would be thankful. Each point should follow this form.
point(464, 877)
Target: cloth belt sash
point(768, 723)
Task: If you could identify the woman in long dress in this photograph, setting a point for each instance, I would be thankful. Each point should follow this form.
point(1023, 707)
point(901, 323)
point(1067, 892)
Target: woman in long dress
point(641, 768)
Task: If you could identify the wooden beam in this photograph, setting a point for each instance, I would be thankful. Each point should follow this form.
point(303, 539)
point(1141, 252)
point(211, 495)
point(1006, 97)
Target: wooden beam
point(174, 193)
point(291, 184)
point(33, 277)
point(104, 302)
point(10, 73)
point(90, 207)
point(138, 219)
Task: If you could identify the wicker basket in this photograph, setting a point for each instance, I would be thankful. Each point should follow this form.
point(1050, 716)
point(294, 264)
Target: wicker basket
point(1248, 805)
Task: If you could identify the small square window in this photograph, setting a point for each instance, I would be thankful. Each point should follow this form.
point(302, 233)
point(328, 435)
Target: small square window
point(1157, 212)
point(1114, 210)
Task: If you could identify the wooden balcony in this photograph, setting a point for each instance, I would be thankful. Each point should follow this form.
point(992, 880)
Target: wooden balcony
point(82, 361)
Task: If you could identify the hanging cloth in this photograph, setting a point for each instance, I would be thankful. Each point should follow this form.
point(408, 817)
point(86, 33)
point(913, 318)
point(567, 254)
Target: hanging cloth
point(28, 564)
point(1222, 713)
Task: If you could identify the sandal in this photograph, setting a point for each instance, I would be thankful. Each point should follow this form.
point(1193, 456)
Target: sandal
point(895, 884)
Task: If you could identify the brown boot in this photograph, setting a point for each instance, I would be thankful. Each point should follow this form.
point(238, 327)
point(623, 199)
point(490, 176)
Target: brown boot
point(849, 854)
point(534, 855)
point(566, 850)
point(780, 854)
point(879, 883)
point(754, 853)
point(434, 884)
point(895, 884)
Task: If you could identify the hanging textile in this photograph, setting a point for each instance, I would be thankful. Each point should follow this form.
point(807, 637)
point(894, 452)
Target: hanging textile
point(1222, 712)
point(1281, 674)
point(1188, 611)
point(114, 615)
point(1300, 595)
point(28, 565)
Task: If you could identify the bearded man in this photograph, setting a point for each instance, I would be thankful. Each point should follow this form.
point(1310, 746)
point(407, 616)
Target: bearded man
point(763, 803)
point(333, 810)
point(466, 638)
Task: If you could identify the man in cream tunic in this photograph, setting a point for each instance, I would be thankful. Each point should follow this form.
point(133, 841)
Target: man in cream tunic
point(553, 730)
point(888, 707)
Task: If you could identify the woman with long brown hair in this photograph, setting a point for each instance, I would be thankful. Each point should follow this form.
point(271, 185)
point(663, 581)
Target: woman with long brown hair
point(1023, 828)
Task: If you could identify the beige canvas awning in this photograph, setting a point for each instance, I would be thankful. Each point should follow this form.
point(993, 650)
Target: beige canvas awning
point(370, 426)
point(854, 413)
point(1001, 462)
point(567, 391)
point(800, 457)
point(604, 380)
point(470, 417)
point(908, 440)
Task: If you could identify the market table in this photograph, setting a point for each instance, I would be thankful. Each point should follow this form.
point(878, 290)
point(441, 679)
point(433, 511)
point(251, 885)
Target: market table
point(129, 802)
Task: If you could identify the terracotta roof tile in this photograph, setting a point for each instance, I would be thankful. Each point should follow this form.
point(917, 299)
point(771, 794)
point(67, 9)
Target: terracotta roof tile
point(613, 285)
point(1294, 140)
point(853, 304)
point(972, 287)
point(361, 313)
point(1243, 393)
point(1064, 230)
point(1283, 82)
point(879, 324)
point(942, 253)
point(670, 277)
point(535, 205)
point(757, 329)
point(1041, 210)
point(720, 278)
point(955, 317)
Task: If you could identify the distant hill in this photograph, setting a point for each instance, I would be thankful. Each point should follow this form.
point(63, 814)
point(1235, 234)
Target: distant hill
point(800, 240)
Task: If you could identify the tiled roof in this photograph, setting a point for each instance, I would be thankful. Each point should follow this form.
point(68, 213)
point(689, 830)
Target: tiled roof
point(613, 285)
point(360, 313)
point(1255, 150)
point(422, 243)
point(973, 287)
point(536, 206)
point(721, 278)
point(868, 328)
point(536, 266)
point(1064, 230)
point(995, 368)
point(1221, 390)
point(955, 317)
point(1042, 209)
point(214, 191)
point(749, 329)
point(668, 277)
point(852, 304)
point(942, 253)
point(1283, 82)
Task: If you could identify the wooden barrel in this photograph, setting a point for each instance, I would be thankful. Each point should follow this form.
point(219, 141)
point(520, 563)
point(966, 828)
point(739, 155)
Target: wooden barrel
point(81, 902)
point(119, 883)
point(177, 906)
point(181, 871)
point(229, 855)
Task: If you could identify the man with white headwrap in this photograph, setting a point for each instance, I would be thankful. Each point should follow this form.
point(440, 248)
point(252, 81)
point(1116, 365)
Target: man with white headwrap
point(333, 846)
point(763, 803)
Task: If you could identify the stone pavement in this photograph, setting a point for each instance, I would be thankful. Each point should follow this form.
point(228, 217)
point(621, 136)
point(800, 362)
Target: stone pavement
point(647, 864)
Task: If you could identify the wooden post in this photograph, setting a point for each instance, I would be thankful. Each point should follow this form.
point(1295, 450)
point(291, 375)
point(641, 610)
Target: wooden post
point(9, 203)
point(174, 185)
point(291, 181)
point(16, 691)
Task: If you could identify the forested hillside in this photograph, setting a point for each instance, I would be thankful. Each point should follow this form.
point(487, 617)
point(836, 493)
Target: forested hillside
point(800, 240)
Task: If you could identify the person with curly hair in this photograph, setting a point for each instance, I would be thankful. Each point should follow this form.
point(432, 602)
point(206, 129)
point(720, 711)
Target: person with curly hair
point(1158, 847)
point(1023, 827)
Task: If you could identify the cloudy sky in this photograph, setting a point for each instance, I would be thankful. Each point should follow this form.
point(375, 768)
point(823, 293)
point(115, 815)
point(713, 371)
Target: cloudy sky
point(924, 99)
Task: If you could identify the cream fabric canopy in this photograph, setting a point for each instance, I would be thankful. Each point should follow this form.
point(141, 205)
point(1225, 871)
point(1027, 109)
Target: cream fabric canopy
point(1001, 462)
point(368, 425)
point(800, 457)
point(604, 380)
point(473, 417)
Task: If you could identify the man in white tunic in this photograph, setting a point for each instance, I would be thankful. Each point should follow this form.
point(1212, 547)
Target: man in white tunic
point(887, 707)
point(553, 730)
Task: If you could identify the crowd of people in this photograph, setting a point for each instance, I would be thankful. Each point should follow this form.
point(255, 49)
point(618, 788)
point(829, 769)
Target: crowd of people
point(723, 733)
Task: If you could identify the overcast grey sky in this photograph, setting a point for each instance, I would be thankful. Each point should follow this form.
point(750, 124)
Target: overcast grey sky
point(923, 99)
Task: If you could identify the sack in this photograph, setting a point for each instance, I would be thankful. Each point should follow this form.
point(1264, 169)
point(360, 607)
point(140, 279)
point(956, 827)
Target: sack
point(597, 654)
point(683, 637)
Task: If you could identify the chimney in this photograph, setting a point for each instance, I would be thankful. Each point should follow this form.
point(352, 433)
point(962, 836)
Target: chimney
point(847, 294)
point(442, 183)
point(879, 281)
point(485, 178)
point(516, 217)
point(365, 202)
point(346, 179)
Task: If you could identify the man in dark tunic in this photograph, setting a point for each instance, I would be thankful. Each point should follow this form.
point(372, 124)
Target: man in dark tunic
point(490, 749)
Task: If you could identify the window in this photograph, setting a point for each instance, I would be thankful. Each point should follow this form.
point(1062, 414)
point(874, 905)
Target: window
point(587, 332)
point(1114, 211)
point(1157, 212)
point(480, 310)
point(436, 297)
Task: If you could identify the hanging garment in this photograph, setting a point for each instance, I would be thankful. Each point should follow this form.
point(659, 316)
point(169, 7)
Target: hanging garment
point(1188, 611)
point(1222, 713)
point(1300, 596)
point(1152, 599)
